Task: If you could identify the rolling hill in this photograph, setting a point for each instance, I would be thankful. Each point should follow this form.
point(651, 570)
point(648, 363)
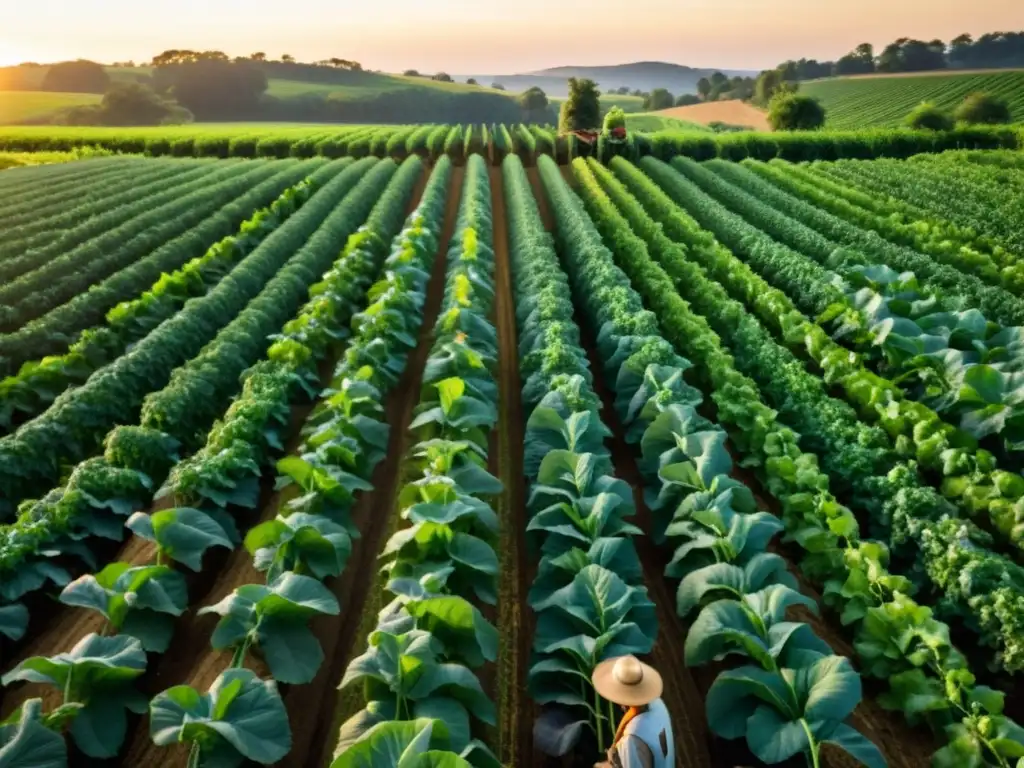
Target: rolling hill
point(24, 106)
point(885, 101)
point(645, 75)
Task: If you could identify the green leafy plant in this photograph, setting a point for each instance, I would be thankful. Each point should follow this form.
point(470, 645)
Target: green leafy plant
point(140, 601)
point(792, 710)
point(240, 718)
point(274, 618)
point(96, 680)
point(184, 534)
point(405, 678)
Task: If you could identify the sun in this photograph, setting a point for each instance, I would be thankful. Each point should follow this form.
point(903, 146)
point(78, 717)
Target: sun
point(10, 55)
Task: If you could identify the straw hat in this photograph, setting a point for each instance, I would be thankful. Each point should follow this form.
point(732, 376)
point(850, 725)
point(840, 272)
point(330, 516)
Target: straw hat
point(627, 681)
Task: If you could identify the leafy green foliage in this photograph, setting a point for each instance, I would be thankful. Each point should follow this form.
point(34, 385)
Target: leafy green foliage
point(240, 718)
point(96, 678)
point(274, 618)
point(182, 534)
point(140, 601)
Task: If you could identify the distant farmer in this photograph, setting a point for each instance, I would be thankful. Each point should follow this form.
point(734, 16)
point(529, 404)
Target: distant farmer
point(644, 736)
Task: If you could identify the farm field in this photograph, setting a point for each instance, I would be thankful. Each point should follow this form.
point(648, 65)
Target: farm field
point(311, 461)
point(496, 141)
point(730, 111)
point(19, 106)
point(885, 101)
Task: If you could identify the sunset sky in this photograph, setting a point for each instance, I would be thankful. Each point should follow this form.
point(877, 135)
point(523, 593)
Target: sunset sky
point(469, 36)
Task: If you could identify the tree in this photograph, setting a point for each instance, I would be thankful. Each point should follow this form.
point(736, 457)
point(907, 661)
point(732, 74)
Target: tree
point(442, 77)
point(498, 86)
point(688, 100)
point(130, 103)
point(927, 116)
point(411, 73)
point(76, 77)
point(637, 92)
point(795, 112)
point(719, 79)
point(622, 90)
point(260, 56)
point(582, 108)
point(983, 108)
point(768, 84)
point(657, 99)
point(534, 103)
point(212, 89)
point(472, 81)
point(287, 58)
point(704, 87)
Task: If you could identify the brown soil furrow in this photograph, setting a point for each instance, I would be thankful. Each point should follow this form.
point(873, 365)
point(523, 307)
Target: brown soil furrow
point(375, 516)
point(516, 710)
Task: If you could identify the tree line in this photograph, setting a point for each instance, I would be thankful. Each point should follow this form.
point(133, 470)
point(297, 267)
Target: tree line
point(993, 50)
point(182, 85)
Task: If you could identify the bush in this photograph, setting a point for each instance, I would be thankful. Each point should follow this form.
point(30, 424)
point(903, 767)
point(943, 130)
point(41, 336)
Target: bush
point(688, 100)
point(983, 109)
point(927, 116)
point(615, 118)
point(795, 112)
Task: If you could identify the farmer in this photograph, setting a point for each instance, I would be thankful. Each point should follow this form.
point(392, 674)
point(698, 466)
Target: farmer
point(644, 736)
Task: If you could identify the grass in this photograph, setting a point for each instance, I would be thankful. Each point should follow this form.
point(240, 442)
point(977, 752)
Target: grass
point(652, 121)
point(869, 102)
point(18, 159)
point(19, 106)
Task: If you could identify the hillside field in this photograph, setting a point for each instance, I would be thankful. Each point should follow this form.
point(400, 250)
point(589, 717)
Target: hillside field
point(730, 111)
point(19, 106)
point(884, 101)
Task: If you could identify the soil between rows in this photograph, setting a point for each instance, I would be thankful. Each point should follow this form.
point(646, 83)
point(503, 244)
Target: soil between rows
point(516, 709)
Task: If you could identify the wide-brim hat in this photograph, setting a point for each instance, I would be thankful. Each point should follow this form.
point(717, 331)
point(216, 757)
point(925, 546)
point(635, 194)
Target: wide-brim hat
point(627, 681)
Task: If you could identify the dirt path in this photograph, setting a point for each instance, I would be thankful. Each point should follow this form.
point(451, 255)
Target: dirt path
point(516, 710)
point(730, 111)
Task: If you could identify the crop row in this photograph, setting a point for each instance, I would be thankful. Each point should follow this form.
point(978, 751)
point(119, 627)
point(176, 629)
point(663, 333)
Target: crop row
point(852, 571)
point(440, 565)
point(499, 140)
point(39, 382)
point(986, 201)
point(55, 331)
point(74, 426)
point(51, 533)
point(29, 244)
point(711, 521)
point(141, 602)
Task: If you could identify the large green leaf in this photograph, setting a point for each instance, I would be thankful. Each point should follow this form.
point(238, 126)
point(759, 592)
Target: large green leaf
point(299, 542)
point(29, 743)
point(141, 601)
point(724, 580)
point(13, 621)
point(405, 744)
point(98, 672)
point(754, 626)
point(240, 717)
point(183, 534)
point(275, 616)
point(459, 625)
